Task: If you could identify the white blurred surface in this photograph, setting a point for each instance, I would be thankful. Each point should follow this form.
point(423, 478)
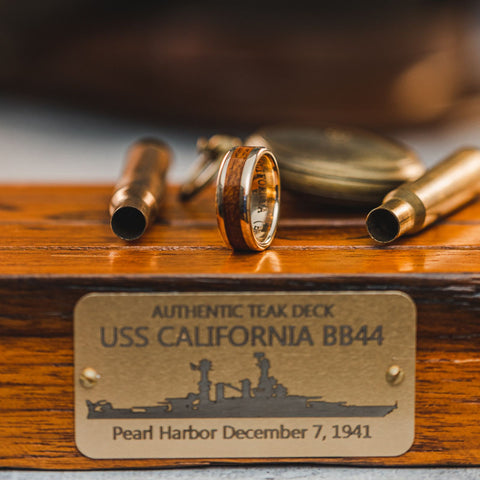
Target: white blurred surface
point(44, 143)
point(257, 473)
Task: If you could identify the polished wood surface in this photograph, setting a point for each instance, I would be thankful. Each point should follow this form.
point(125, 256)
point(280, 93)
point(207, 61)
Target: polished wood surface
point(56, 246)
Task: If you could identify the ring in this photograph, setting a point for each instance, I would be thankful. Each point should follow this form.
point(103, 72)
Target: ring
point(248, 198)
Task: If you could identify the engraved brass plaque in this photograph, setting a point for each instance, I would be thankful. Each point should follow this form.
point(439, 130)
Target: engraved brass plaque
point(244, 375)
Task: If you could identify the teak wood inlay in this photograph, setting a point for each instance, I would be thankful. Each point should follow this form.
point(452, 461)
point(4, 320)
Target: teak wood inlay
point(56, 246)
point(231, 198)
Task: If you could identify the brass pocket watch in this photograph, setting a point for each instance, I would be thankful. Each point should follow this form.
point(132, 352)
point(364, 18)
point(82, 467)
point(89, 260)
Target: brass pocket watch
point(345, 166)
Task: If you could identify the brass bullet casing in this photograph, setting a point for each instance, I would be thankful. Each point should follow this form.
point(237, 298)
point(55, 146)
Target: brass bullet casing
point(141, 188)
point(414, 205)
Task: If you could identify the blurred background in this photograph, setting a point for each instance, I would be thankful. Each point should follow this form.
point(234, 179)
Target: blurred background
point(79, 80)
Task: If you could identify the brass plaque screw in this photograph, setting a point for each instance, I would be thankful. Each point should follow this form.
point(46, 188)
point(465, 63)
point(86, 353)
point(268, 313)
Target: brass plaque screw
point(89, 377)
point(395, 375)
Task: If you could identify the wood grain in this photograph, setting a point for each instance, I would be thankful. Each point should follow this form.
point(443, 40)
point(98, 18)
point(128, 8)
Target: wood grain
point(56, 246)
point(231, 197)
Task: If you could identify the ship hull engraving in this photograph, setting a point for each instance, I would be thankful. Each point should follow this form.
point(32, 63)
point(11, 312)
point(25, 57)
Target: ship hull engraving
point(268, 398)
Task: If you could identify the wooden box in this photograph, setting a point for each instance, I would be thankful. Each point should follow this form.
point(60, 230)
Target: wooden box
point(56, 246)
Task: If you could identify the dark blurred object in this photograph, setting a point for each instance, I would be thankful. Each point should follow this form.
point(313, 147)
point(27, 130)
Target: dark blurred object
point(371, 63)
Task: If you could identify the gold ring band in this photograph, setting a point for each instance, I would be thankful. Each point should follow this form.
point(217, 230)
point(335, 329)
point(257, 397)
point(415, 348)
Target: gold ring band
point(248, 198)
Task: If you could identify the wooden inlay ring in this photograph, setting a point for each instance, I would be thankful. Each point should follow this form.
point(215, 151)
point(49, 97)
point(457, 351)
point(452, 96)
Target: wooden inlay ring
point(248, 198)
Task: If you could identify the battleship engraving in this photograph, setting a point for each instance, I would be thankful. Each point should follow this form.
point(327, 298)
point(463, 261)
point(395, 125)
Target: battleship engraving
point(269, 398)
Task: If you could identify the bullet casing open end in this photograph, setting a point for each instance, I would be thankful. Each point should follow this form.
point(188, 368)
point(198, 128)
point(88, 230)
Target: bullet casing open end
point(382, 225)
point(128, 223)
point(391, 220)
